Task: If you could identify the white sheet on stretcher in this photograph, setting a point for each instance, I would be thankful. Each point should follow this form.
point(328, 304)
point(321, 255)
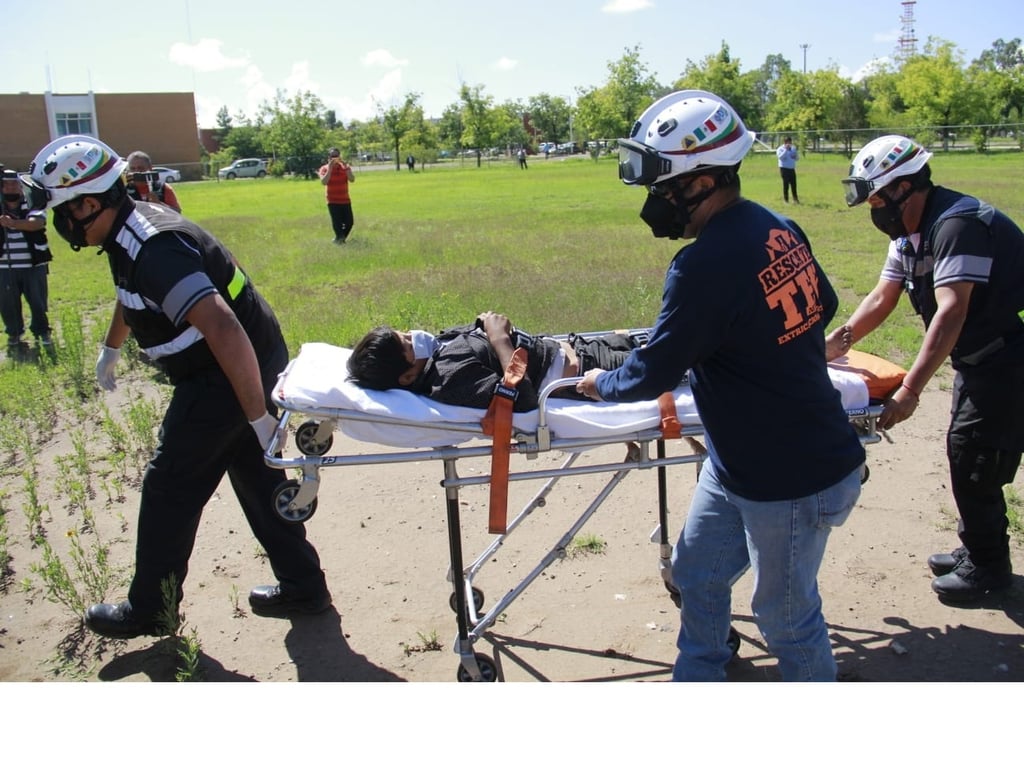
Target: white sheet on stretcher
point(317, 379)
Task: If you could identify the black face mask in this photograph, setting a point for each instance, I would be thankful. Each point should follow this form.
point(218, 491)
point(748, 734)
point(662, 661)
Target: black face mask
point(73, 229)
point(668, 219)
point(665, 218)
point(888, 218)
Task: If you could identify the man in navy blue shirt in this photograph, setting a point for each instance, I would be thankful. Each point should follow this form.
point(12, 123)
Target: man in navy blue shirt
point(743, 314)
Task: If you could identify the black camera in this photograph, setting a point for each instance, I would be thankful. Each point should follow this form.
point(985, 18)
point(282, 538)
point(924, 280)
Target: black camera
point(151, 179)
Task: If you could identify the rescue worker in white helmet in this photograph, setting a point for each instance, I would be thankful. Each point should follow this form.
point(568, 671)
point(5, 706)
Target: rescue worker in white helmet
point(743, 316)
point(194, 311)
point(961, 263)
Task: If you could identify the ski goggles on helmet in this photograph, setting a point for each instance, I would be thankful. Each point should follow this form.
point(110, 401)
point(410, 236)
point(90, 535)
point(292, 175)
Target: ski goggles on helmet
point(857, 190)
point(640, 163)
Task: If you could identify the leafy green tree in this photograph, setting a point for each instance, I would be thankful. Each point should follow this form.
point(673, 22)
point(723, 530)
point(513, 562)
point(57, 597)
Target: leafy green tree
point(245, 141)
point(720, 73)
point(550, 116)
point(295, 130)
point(450, 127)
point(933, 87)
point(885, 107)
point(510, 125)
point(765, 81)
point(477, 118)
point(399, 120)
point(609, 111)
point(807, 103)
point(1004, 64)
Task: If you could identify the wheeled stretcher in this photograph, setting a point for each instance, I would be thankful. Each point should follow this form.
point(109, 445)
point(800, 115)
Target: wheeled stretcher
point(314, 388)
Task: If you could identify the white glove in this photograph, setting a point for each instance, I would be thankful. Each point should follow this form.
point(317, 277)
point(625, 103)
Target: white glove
point(105, 367)
point(265, 426)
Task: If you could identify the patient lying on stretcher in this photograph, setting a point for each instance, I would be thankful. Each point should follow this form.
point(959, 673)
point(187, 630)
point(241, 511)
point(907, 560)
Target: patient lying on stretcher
point(463, 365)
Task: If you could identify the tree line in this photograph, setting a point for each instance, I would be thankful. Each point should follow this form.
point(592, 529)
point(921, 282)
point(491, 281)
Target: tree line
point(934, 96)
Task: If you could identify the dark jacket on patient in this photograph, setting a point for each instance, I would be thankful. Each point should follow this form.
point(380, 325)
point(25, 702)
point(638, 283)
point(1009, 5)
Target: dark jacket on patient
point(465, 369)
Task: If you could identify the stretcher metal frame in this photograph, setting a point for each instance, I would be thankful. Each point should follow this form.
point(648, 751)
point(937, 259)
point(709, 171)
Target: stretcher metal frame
point(295, 500)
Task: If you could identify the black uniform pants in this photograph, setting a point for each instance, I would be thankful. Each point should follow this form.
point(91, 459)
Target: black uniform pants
point(983, 446)
point(205, 435)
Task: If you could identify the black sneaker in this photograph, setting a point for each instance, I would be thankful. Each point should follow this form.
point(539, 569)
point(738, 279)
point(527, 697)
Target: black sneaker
point(943, 563)
point(968, 582)
point(271, 600)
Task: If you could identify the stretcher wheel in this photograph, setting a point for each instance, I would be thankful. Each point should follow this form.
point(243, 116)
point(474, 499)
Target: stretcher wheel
point(734, 637)
point(305, 439)
point(488, 670)
point(478, 601)
point(674, 594)
point(734, 641)
point(284, 495)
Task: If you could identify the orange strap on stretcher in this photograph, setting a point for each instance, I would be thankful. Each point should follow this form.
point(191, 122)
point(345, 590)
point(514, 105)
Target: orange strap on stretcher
point(671, 429)
point(497, 423)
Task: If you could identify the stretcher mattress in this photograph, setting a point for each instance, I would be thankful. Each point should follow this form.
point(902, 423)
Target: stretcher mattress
point(316, 381)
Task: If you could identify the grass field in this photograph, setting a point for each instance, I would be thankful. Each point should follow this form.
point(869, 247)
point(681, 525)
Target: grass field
point(558, 247)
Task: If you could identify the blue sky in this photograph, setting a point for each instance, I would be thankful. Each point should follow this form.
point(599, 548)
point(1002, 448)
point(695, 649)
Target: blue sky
point(356, 54)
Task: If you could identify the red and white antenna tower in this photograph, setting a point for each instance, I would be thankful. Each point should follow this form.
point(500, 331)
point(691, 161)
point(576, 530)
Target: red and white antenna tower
point(907, 40)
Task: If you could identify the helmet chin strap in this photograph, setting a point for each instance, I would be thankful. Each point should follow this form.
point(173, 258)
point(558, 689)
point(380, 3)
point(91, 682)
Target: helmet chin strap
point(668, 219)
point(73, 230)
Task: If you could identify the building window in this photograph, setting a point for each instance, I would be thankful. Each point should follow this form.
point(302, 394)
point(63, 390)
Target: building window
point(74, 123)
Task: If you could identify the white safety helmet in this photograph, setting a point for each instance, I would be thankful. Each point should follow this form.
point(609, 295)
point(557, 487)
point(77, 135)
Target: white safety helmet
point(681, 133)
point(73, 166)
point(879, 163)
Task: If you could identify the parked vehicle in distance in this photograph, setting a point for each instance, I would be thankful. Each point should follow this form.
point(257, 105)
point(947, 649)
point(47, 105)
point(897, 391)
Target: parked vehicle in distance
point(244, 167)
point(167, 175)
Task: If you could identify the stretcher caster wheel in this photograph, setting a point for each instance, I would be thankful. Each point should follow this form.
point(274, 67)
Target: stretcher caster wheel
point(734, 641)
point(305, 439)
point(284, 498)
point(674, 594)
point(488, 670)
point(478, 601)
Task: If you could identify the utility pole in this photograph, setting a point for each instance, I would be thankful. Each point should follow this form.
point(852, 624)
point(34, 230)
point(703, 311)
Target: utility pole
point(804, 47)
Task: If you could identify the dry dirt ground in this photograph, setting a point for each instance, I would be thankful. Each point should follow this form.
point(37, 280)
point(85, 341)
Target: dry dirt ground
point(382, 535)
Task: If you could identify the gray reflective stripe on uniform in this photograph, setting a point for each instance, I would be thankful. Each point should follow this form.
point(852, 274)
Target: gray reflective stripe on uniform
point(236, 284)
point(184, 340)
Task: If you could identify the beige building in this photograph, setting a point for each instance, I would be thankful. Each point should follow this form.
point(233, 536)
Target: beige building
point(162, 124)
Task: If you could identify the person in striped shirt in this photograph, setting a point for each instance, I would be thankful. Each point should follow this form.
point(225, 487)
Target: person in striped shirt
point(24, 265)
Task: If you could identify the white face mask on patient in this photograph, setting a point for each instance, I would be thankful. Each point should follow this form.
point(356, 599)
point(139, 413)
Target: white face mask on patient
point(423, 343)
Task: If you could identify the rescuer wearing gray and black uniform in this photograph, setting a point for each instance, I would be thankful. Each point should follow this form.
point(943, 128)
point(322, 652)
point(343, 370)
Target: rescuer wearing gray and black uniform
point(197, 316)
point(961, 263)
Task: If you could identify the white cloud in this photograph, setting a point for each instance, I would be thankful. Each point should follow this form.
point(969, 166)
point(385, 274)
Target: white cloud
point(384, 59)
point(385, 92)
point(299, 80)
point(205, 55)
point(505, 64)
point(626, 6)
point(257, 91)
point(867, 69)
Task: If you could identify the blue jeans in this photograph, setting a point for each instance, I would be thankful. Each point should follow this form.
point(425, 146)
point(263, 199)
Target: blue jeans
point(31, 284)
point(784, 542)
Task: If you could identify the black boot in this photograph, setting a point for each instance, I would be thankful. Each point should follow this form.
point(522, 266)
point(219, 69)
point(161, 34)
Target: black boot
point(119, 622)
point(967, 582)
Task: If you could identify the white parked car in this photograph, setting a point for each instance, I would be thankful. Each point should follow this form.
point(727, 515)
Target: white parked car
point(244, 167)
point(167, 175)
